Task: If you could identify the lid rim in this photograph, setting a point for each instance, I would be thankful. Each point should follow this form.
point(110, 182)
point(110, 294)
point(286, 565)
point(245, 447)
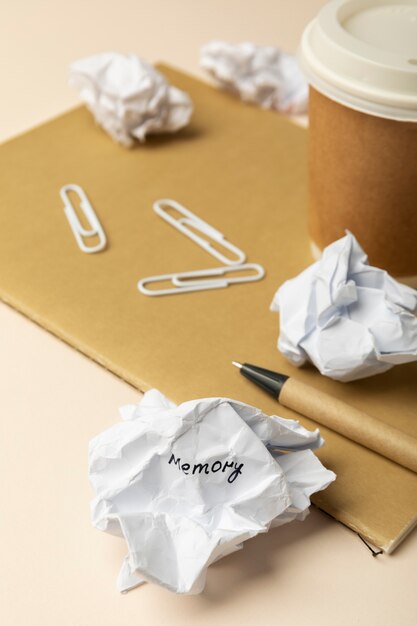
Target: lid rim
point(380, 96)
point(396, 114)
point(338, 65)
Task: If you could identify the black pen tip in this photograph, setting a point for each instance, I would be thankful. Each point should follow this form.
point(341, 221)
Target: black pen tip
point(272, 382)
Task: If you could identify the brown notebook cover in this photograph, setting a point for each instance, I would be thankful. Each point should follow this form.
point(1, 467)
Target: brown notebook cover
point(244, 171)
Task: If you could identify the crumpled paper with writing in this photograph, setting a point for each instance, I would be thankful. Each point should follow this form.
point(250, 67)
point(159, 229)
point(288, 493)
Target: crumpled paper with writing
point(263, 75)
point(186, 485)
point(128, 97)
point(350, 319)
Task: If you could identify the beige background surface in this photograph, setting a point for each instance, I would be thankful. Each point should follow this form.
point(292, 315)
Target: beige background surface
point(55, 569)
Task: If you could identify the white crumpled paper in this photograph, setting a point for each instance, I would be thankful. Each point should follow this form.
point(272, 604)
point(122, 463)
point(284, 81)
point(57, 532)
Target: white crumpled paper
point(350, 319)
point(263, 75)
point(128, 97)
point(187, 485)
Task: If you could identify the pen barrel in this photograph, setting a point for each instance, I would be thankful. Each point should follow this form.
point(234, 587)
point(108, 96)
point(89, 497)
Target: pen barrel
point(352, 423)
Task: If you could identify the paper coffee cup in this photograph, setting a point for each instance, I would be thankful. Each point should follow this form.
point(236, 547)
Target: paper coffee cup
point(360, 57)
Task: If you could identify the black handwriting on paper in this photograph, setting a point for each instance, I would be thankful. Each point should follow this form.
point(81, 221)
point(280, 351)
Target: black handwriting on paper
point(205, 468)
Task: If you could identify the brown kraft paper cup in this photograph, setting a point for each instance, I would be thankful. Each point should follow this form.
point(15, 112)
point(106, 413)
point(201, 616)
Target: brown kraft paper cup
point(363, 178)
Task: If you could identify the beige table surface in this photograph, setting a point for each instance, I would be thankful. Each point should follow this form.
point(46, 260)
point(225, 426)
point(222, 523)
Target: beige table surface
point(55, 568)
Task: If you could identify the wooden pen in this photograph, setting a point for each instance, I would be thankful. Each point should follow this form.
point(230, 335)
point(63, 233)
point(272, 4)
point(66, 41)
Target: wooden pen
point(335, 414)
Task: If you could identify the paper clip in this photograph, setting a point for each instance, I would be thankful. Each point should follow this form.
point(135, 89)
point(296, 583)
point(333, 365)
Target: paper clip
point(189, 221)
point(77, 228)
point(183, 281)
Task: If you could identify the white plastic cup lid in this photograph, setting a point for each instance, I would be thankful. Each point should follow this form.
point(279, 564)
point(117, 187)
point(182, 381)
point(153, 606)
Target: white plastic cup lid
point(363, 54)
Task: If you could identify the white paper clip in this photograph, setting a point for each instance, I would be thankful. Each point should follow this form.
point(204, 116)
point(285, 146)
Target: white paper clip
point(183, 281)
point(192, 221)
point(77, 228)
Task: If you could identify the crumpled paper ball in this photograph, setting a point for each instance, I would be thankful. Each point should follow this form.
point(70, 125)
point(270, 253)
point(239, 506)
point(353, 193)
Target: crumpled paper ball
point(350, 319)
point(186, 485)
point(263, 75)
point(128, 97)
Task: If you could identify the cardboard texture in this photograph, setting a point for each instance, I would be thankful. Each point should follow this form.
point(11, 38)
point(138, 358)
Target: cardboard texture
point(244, 171)
point(363, 172)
